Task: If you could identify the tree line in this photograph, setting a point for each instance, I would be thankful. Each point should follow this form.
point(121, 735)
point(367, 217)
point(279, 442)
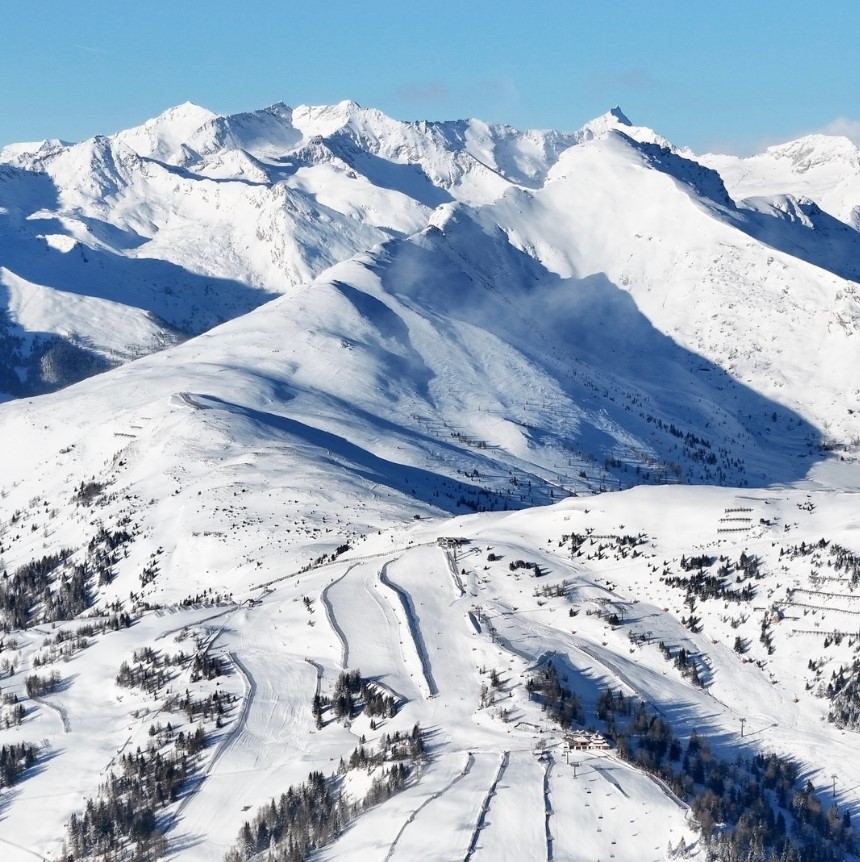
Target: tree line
point(311, 815)
point(749, 809)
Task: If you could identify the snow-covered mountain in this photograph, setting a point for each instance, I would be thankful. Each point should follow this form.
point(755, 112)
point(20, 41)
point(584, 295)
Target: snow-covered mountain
point(119, 246)
point(353, 360)
point(822, 168)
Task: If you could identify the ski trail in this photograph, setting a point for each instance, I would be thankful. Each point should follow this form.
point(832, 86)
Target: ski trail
point(332, 620)
point(382, 605)
point(373, 639)
point(608, 776)
point(353, 559)
point(250, 692)
point(226, 741)
point(57, 710)
point(618, 673)
point(547, 802)
point(485, 806)
point(463, 773)
point(451, 557)
point(24, 849)
point(190, 625)
point(668, 791)
point(500, 639)
point(319, 669)
point(414, 629)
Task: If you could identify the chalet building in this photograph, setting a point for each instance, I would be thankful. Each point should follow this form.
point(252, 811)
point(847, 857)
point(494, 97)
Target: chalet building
point(448, 542)
point(583, 741)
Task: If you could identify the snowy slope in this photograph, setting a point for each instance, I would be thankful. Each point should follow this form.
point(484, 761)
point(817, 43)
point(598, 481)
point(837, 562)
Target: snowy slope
point(433, 652)
point(768, 300)
point(245, 455)
point(467, 322)
point(193, 218)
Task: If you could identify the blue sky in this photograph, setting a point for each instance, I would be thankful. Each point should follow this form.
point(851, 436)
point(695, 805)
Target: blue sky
point(731, 76)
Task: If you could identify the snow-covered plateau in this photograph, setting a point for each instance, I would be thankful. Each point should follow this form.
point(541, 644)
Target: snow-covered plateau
point(387, 491)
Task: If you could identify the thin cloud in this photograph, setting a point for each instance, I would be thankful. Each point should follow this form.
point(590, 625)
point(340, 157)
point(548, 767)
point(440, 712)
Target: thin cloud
point(487, 98)
point(504, 89)
point(423, 93)
point(623, 79)
point(91, 50)
point(844, 126)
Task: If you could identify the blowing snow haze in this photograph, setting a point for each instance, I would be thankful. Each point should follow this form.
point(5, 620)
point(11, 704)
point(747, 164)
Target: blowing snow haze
point(374, 490)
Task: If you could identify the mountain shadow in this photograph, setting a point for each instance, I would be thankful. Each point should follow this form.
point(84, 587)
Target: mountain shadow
point(184, 303)
point(800, 229)
point(410, 180)
point(805, 231)
point(450, 495)
point(33, 363)
point(609, 387)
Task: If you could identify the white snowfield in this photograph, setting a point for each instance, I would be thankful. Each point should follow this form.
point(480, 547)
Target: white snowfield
point(434, 659)
point(448, 404)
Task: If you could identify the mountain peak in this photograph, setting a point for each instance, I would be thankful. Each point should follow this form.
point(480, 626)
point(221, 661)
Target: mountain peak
point(186, 111)
point(615, 120)
point(612, 120)
point(815, 150)
point(162, 136)
point(280, 109)
point(619, 115)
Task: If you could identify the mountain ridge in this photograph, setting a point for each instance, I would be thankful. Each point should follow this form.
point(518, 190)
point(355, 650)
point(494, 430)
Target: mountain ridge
point(339, 178)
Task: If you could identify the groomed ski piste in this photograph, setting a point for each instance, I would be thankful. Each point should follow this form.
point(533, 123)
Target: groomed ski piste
point(499, 781)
